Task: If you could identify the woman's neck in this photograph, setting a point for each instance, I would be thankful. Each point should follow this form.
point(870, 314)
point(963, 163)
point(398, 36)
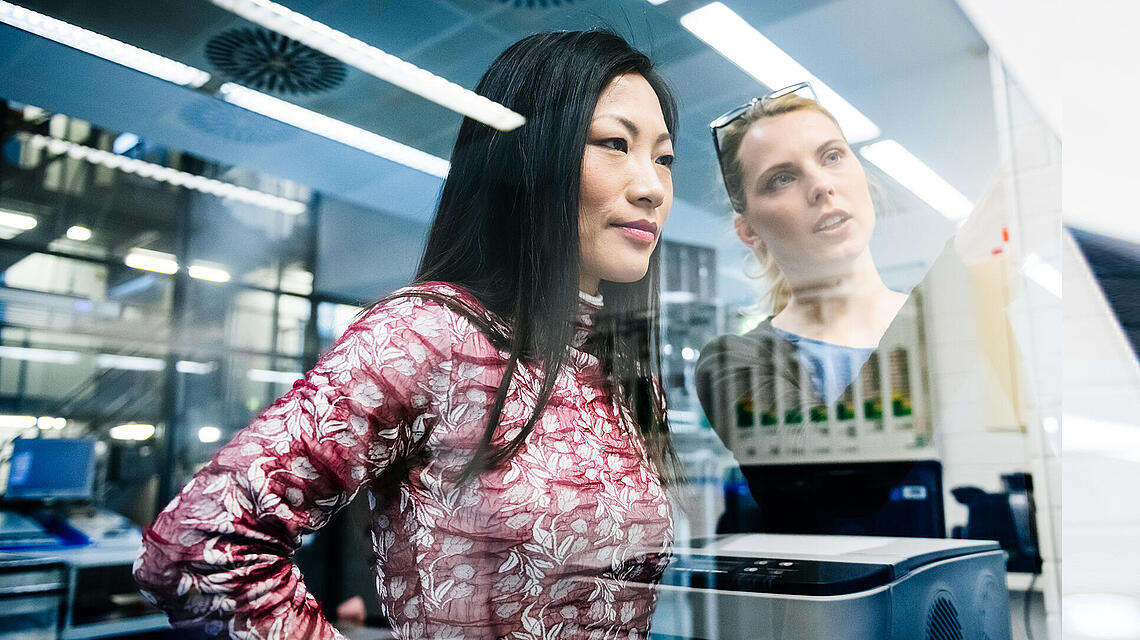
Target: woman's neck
point(852, 309)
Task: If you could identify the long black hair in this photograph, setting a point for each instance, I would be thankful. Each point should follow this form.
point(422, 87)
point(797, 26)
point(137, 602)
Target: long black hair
point(506, 229)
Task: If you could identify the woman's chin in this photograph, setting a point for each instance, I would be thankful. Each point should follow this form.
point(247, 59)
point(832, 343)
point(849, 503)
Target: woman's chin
point(625, 274)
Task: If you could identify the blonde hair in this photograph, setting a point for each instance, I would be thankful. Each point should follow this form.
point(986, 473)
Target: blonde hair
point(731, 136)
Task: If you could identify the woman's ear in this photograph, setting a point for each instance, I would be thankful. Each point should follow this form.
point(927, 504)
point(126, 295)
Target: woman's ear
point(746, 233)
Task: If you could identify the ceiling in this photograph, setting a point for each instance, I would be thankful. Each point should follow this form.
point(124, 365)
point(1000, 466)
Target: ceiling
point(915, 67)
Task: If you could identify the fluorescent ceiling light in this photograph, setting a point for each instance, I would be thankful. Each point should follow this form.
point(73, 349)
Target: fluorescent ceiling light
point(209, 434)
point(910, 172)
point(102, 46)
point(373, 61)
point(722, 29)
point(15, 220)
point(82, 234)
point(197, 368)
point(213, 274)
point(46, 423)
point(17, 422)
point(130, 363)
point(656, 2)
point(1042, 273)
point(164, 174)
point(148, 260)
point(1101, 615)
point(333, 129)
point(124, 143)
point(267, 375)
point(132, 431)
point(31, 354)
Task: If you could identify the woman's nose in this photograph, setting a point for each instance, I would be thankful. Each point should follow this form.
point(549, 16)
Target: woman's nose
point(822, 186)
point(647, 189)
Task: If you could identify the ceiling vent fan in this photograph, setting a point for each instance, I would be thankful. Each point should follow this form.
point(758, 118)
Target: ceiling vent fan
point(268, 61)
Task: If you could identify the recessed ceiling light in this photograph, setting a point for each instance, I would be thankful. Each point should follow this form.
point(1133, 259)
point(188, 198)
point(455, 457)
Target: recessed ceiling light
point(373, 61)
point(132, 432)
point(81, 234)
point(209, 434)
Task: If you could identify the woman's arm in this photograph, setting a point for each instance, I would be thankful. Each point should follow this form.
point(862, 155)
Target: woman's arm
point(220, 555)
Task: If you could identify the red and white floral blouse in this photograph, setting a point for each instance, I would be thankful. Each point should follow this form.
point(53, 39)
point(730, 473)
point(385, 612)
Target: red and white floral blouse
point(567, 540)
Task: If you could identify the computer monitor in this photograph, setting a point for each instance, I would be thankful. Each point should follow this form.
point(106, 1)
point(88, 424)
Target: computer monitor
point(56, 468)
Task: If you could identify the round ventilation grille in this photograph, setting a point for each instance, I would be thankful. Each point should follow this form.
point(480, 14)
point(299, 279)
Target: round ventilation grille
point(942, 622)
point(268, 61)
point(215, 119)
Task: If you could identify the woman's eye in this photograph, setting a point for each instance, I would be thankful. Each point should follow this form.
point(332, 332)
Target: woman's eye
point(665, 160)
point(833, 156)
point(617, 144)
point(779, 180)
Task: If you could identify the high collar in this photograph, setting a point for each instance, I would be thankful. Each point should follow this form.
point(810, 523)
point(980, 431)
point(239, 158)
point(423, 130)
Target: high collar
point(588, 308)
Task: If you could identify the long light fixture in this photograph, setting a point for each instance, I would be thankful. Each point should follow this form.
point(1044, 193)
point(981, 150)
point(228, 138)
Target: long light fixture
point(132, 431)
point(129, 363)
point(921, 180)
point(148, 260)
point(17, 422)
point(375, 62)
point(47, 423)
point(722, 29)
point(210, 273)
point(102, 46)
point(164, 174)
point(333, 129)
point(32, 354)
point(196, 368)
point(16, 220)
point(268, 375)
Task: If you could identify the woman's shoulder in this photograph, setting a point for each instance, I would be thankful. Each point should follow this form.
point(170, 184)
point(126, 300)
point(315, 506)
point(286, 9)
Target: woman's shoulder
point(435, 311)
point(734, 350)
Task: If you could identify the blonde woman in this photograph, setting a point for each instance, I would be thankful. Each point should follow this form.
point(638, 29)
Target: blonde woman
point(803, 206)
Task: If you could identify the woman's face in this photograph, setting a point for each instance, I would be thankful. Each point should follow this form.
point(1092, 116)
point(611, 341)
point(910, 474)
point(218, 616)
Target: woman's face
point(806, 196)
point(627, 184)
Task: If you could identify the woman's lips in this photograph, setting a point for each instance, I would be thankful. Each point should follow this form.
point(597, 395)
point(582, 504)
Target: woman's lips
point(831, 222)
point(639, 230)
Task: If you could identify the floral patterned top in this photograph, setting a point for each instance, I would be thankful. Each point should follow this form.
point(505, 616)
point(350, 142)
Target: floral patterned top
point(566, 540)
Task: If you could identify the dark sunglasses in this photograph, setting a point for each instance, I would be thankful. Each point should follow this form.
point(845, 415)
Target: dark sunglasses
point(732, 114)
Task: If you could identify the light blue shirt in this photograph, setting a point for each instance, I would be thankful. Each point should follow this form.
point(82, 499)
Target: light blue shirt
point(832, 367)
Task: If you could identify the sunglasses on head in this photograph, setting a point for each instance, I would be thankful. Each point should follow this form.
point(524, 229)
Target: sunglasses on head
point(732, 114)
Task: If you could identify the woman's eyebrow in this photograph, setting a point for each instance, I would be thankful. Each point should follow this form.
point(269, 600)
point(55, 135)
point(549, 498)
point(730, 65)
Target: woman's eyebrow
point(631, 126)
point(828, 144)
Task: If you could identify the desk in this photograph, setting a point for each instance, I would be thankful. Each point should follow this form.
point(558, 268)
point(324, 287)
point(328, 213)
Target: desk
point(100, 598)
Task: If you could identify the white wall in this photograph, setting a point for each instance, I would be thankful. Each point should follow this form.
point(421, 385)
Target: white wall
point(982, 430)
